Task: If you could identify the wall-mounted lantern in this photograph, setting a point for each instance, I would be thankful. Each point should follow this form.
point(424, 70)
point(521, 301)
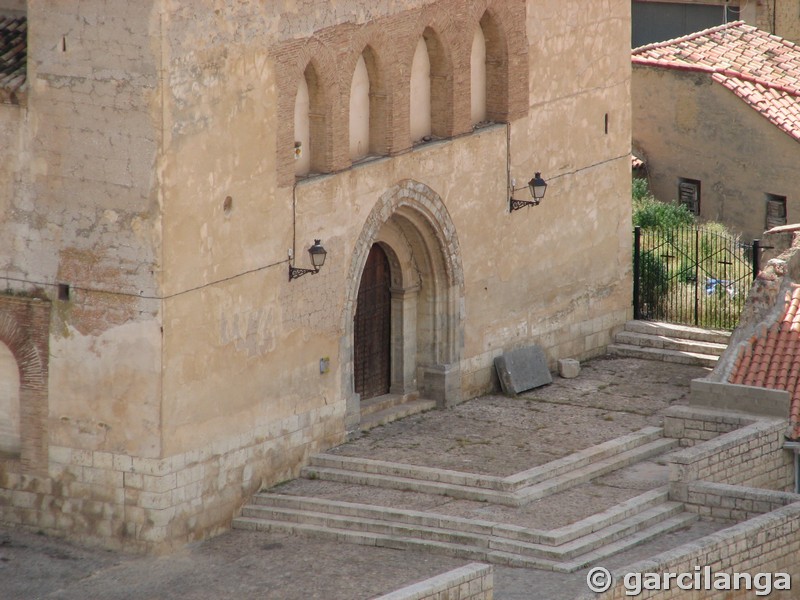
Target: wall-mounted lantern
point(537, 187)
point(318, 254)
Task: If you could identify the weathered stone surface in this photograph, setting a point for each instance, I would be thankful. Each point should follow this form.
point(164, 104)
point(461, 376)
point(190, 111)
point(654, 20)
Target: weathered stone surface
point(522, 369)
point(569, 368)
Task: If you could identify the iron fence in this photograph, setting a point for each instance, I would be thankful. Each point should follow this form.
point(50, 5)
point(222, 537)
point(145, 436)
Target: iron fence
point(692, 276)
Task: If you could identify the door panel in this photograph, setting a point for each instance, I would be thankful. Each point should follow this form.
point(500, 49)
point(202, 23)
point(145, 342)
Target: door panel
point(373, 327)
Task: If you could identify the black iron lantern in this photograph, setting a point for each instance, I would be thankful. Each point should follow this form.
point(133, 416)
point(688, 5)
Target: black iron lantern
point(536, 186)
point(318, 255)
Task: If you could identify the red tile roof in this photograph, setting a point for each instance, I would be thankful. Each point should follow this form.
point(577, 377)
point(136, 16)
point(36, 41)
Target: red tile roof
point(772, 358)
point(761, 68)
point(13, 56)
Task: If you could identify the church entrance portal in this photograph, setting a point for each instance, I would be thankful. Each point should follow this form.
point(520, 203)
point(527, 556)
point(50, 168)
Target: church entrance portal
point(404, 306)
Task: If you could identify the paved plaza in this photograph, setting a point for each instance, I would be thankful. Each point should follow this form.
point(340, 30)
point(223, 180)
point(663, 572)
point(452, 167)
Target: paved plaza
point(491, 435)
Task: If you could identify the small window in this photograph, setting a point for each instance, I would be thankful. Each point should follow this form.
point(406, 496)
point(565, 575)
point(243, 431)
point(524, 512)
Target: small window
point(776, 210)
point(689, 195)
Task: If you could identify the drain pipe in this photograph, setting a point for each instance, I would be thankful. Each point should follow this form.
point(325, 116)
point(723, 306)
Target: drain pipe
point(795, 448)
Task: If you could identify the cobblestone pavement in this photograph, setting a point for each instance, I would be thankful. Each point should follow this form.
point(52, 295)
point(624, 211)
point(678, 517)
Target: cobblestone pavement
point(610, 398)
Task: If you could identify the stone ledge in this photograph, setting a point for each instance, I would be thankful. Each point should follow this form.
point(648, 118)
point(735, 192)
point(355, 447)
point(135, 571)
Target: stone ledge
point(471, 582)
point(742, 398)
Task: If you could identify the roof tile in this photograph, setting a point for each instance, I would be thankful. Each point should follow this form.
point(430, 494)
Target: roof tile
point(771, 357)
point(762, 69)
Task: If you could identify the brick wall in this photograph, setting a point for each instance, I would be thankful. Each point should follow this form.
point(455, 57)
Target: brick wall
point(690, 425)
point(752, 456)
point(448, 29)
point(472, 582)
point(766, 544)
point(733, 502)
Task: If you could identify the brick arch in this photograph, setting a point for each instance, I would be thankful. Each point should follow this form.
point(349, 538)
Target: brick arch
point(413, 212)
point(292, 60)
point(506, 23)
point(393, 39)
point(371, 43)
point(25, 330)
point(29, 363)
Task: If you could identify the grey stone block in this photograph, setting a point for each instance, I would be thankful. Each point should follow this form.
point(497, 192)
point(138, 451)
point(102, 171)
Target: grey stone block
point(569, 368)
point(522, 369)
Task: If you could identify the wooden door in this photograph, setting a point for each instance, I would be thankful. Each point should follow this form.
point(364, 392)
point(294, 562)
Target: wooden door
point(373, 327)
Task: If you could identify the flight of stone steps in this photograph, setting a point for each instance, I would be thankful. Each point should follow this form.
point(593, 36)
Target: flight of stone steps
point(643, 517)
point(671, 343)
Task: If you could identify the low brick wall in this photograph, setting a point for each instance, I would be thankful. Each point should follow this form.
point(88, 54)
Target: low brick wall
point(733, 502)
point(472, 582)
point(691, 425)
point(751, 456)
point(768, 543)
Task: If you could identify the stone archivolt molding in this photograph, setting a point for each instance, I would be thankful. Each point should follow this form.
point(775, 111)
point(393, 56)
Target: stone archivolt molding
point(448, 27)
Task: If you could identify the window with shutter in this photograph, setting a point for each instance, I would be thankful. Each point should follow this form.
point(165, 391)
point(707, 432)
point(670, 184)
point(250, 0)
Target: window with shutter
point(689, 194)
point(776, 211)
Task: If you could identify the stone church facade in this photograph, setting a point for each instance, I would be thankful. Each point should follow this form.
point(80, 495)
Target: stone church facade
point(167, 164)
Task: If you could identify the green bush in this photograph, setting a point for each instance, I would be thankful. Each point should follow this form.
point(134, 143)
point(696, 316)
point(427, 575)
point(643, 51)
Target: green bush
point(651, 213)
point(654, 283)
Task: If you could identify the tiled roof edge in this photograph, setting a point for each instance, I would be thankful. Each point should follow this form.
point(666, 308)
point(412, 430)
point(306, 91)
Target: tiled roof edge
point(724, 71)
point(690, 36)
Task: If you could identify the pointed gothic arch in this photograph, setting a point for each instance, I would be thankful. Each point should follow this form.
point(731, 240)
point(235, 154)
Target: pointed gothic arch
point(414, 229)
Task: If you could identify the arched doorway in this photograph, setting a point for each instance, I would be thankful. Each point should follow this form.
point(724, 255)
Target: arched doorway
point(411, 241)
point(372, 327)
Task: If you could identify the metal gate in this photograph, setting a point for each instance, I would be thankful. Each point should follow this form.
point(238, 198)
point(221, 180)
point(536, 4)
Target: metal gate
point(692, 276)
point(372, 327)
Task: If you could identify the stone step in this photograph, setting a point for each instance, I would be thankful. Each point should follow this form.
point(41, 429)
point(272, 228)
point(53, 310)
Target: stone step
point(673, 356)
point(518, 497)
point(584, 545)
point(469, 546)
point(492, 538)
point(395, 542)
point(676, 523)
point(557, 537)
point(595, 469)
point(464, 492)
point(647, 340)
point(392, 412)
point(385, 401)
point(511, 483)
point(683, 332)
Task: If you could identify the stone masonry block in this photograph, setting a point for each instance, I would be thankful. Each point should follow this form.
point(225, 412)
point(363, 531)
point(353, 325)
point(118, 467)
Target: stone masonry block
point(569, 368)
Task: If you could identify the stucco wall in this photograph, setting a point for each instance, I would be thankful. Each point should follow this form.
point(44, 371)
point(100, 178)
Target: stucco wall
point(157, 179)
point(688, 127)
point(270, 334)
